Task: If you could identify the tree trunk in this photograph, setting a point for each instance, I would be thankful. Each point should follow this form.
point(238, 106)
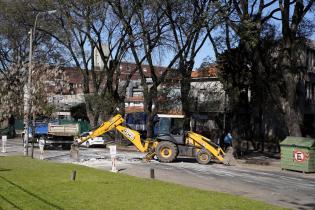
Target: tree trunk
point(149, 125)
point(185, 89)
point(147, 102)
point(293, 117)
point(92, 115)
point(292, 113)
point(151, 106)
point(185, 86)
point(121, 106)
point(261, 129)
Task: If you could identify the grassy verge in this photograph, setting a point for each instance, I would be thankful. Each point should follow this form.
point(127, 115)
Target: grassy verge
point(35, 184)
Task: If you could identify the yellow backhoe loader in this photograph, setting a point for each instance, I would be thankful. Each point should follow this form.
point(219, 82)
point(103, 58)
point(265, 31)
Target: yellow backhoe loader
point(170, 142)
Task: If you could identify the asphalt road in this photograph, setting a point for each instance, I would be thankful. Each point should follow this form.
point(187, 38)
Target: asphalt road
point(266, 183)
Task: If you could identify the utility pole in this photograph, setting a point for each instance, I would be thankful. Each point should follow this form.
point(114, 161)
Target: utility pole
point(27, 95)
point(28, 92)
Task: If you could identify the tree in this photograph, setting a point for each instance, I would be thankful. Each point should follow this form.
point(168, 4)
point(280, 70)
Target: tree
point(289, 60)
point(188, 30)
point(85, 28)
point(253, 64)
point(14, 59)
point(146, 26)
point(13, 55)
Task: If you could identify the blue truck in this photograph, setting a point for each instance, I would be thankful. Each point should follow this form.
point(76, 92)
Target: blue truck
point(55, 134)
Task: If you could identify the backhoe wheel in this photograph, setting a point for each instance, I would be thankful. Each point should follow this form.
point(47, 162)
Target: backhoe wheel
point(203, 156)
point(166, 151)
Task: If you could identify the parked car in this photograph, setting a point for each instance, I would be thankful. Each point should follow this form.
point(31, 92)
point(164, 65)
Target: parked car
point(100, 141)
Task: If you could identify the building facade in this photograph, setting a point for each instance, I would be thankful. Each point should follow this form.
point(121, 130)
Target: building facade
point(309, 111)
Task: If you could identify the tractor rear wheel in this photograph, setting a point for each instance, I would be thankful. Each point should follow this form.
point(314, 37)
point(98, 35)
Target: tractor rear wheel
point(203, 156)
point(166, 151)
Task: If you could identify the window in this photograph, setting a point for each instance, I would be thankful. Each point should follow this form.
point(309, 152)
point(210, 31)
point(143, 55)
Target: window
point(164, 126)
point(310, 60)
point(139, 104)
point(172, 126)
point(135, 94)
point(177, 126)
point(310, 92)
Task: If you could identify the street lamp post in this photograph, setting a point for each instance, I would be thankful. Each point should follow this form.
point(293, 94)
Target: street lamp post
point(28, 93)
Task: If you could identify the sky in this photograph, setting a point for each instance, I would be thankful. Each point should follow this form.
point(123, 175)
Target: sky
point(206, 52)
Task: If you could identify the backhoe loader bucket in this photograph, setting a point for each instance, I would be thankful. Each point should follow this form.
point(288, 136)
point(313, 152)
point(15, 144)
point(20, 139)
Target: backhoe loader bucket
point(74, 151)
point(149, 156)
point(229, 159)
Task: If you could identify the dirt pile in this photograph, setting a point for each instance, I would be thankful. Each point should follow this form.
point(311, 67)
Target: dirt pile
point(229, 157)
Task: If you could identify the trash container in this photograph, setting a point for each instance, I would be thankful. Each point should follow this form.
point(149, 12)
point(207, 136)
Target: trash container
point(298, 154)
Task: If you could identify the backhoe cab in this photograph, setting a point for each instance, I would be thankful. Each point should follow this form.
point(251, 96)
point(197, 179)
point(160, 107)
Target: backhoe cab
point(170, 142)
point(174, 141)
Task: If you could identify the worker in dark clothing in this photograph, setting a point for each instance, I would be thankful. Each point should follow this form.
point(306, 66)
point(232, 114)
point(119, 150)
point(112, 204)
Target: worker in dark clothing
point(228, 139)
point(11, 126)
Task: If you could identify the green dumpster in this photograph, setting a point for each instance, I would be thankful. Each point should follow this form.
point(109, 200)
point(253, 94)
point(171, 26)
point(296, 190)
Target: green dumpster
point(298, 154)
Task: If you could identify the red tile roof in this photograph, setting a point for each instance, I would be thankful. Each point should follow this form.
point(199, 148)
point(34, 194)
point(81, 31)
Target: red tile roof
point(211, 71)
point(132, 109)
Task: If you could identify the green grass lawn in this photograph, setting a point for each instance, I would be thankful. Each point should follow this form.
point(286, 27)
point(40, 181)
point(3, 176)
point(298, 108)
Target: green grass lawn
point(35, 184)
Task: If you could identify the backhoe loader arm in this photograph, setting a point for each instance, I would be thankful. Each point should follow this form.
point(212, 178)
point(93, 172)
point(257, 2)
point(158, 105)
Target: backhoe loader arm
point(105, 127)
point(134, 137)
point(116, 123)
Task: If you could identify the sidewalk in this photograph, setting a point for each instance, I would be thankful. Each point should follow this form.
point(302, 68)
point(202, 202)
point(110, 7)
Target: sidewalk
point(263, 159)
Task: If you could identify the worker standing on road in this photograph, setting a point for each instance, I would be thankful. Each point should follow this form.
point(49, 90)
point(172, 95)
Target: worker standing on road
point(228, 139)
point(41, 144)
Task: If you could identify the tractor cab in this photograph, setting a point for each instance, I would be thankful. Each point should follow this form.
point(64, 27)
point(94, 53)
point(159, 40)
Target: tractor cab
point(171, 128)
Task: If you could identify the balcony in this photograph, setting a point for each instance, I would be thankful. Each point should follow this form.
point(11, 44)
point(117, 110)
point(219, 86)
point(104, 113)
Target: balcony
point(135, 99)
point(311, 69)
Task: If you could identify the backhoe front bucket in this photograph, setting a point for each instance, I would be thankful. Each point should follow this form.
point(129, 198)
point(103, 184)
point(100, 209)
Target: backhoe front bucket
point(229, 159)
point(74, 151)
point(149, 156)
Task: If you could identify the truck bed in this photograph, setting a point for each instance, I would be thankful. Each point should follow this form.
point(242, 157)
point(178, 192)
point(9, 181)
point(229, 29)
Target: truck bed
point(63, 130)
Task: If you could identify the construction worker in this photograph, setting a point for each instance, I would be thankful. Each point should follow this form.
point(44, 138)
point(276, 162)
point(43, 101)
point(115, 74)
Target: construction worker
point(228, 139)
point(41, 144)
